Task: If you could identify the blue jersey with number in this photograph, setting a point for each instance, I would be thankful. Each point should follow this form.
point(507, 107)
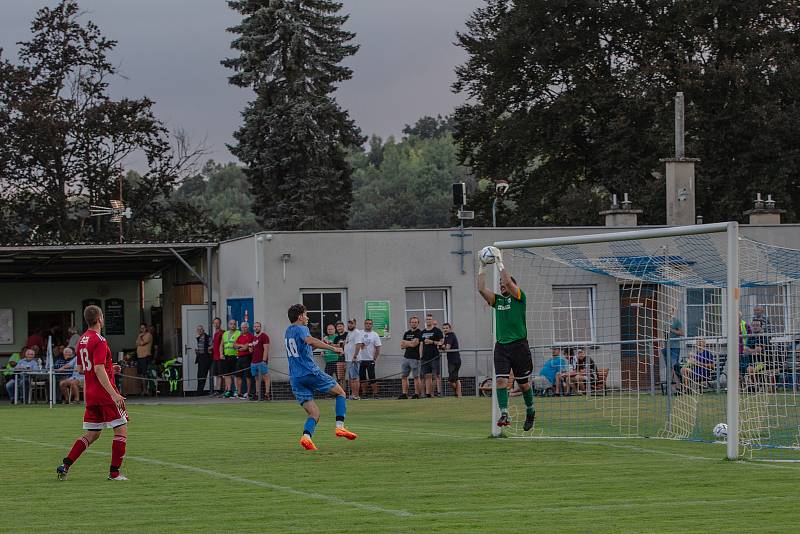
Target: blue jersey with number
point(298, 352)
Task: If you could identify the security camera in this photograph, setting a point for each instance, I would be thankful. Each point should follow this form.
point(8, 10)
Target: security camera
point(500, 188)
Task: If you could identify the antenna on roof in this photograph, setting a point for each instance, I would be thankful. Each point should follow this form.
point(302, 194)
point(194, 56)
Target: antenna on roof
point(117, 210)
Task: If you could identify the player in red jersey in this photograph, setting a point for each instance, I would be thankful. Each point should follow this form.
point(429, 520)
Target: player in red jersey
point(105, 407)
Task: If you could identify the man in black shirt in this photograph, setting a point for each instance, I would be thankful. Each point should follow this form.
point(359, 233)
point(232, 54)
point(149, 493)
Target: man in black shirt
point(453, 358)
point(411, 344)
point(431, 338)
point(341, 337)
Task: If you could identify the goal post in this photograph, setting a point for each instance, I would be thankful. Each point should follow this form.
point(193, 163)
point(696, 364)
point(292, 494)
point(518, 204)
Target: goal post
point(645, 326)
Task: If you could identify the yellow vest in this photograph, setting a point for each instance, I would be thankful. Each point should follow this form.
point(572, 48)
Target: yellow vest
point(228, 339)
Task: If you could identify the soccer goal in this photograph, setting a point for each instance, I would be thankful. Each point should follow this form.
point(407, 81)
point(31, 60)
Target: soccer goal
point(666, 333)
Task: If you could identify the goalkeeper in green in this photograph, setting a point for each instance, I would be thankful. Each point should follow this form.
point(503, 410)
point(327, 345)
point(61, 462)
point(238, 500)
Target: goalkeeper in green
point(511, 351)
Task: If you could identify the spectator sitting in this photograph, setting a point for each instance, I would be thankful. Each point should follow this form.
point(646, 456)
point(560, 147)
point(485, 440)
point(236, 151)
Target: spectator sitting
point(551, 373)
point(699, 365)
point(70, 387)
point(8, 370)
point(20, 380)
point(59, 360)
point(585, 372)
point(568, 376)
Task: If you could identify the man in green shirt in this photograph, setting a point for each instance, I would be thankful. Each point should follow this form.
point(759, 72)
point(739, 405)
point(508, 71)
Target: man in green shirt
point(229, 354)
point(511, 351)
point(331, 357)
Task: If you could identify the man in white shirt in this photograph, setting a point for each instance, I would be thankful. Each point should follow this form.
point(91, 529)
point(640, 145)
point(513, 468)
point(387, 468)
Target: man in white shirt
point(369, 351)
point(351, 350)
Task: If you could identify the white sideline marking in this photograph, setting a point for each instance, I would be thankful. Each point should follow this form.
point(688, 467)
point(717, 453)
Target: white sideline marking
point(234, 478)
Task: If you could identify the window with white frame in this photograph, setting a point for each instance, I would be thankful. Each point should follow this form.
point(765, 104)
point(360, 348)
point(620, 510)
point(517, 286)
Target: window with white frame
point(324, 307)
point(770, 304)
point(573, 314)
point(422, 301)
point(704, 312)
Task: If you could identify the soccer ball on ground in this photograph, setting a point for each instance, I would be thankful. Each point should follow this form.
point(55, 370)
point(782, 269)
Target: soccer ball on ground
point(488, 255)
point(721, 430)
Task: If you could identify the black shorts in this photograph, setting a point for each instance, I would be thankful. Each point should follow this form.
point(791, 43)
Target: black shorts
point(452, 371)
point(514, 356)
point(432, 366)
point(228, 365)
point(216, 367)
point(243, 366)
point(366, 371)
point(330, 368)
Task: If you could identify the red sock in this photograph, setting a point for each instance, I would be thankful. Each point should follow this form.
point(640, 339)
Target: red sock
point(81, 444)
point(117, 453)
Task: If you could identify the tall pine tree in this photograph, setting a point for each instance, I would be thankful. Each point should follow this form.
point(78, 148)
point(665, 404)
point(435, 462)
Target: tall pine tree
point(294, 137)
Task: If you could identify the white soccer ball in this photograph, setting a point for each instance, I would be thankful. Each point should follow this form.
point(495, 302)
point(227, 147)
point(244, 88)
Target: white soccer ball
point(488, 255)
point(721, 430)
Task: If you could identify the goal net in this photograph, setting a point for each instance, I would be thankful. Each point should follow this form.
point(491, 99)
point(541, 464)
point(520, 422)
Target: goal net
point(649, 340)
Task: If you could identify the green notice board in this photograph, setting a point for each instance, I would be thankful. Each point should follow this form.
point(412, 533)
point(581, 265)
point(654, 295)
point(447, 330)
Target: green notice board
point(380, 312)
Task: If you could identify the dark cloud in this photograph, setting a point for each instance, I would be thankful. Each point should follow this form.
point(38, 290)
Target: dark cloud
point(169, 50)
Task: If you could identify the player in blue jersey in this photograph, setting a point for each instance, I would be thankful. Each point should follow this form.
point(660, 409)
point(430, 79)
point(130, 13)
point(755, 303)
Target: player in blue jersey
point(305, 376)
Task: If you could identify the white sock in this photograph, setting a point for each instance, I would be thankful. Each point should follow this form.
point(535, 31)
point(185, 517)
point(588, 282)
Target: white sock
point(339, 424)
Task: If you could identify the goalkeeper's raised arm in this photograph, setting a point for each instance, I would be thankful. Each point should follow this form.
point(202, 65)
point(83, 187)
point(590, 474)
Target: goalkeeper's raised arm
point(507, 282)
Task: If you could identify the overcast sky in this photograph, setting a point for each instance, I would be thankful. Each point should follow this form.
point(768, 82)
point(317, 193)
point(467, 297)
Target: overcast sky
point(169, 50)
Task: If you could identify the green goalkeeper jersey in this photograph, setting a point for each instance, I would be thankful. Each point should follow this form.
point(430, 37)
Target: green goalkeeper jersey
point(510, 318)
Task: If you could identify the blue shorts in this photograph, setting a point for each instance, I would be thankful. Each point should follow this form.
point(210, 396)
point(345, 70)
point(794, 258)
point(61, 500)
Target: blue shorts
point(258, 369)
point(303, 386)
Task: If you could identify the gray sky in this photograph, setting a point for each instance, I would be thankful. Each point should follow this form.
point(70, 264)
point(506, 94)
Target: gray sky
point(169, 50)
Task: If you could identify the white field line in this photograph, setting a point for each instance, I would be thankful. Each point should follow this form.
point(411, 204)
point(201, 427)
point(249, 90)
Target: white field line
point(216, 474)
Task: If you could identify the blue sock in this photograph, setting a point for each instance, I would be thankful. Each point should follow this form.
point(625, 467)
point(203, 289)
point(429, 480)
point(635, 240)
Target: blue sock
point(341, 407)
point(309, 427)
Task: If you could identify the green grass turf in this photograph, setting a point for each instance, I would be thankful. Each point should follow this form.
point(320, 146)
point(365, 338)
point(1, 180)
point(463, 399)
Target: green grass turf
point(430, 461)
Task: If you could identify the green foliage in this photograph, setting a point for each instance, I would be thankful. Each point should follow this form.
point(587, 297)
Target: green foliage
point(223, 191)
point(407, 184)
point(295, 137)
point(65, 141)
point(573, 101)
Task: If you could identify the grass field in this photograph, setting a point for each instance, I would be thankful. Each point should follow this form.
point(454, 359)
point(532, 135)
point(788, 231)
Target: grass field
point(422, 466)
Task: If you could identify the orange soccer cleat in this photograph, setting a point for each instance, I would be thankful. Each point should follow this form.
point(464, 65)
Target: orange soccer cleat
point(307, 444)
point(342, 432)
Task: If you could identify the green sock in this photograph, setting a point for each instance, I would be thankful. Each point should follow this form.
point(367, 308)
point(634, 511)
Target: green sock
point(527, 394)
point(502, 399)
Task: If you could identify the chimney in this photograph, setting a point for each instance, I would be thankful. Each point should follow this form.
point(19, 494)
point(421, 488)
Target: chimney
point(680, 175)
point(621, 214)
point(764, 211)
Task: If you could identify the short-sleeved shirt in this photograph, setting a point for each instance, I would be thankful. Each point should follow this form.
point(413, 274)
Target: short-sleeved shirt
point(217, 345)
point(370, 341)
point(298, 352)
point(581, 365)
point(412, 353)
point(245, 339)
point(143, 351)
point(329, 355)
point(353, 339)
point(451, 341)
point(431, 351)
point(340, 338)
point(704, 357)
point(228, 340)
point(258, 351)
point(553, 366)
point(510, 318)
point(93, 351)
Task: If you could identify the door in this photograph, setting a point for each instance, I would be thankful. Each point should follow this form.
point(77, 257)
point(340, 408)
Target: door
point(638, 328)
point(191, 316)
point(241, 310)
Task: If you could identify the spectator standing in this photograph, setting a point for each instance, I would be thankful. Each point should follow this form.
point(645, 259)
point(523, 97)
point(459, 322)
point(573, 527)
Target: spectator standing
point(216, 356)
point(760, 314)
point(259, 366)
point(144, 351)
point(431, 337)
point(369, 351)
point(202, 358)
point(21, 380)
point(36, 342)
point(70, 386)
point(244, 358)
point(352, 346)
point(453, 358)
point(229, 354)
point(331, 357)
point(672, 351)
point(411, 358)
point(339, 341)
point(72, 342)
